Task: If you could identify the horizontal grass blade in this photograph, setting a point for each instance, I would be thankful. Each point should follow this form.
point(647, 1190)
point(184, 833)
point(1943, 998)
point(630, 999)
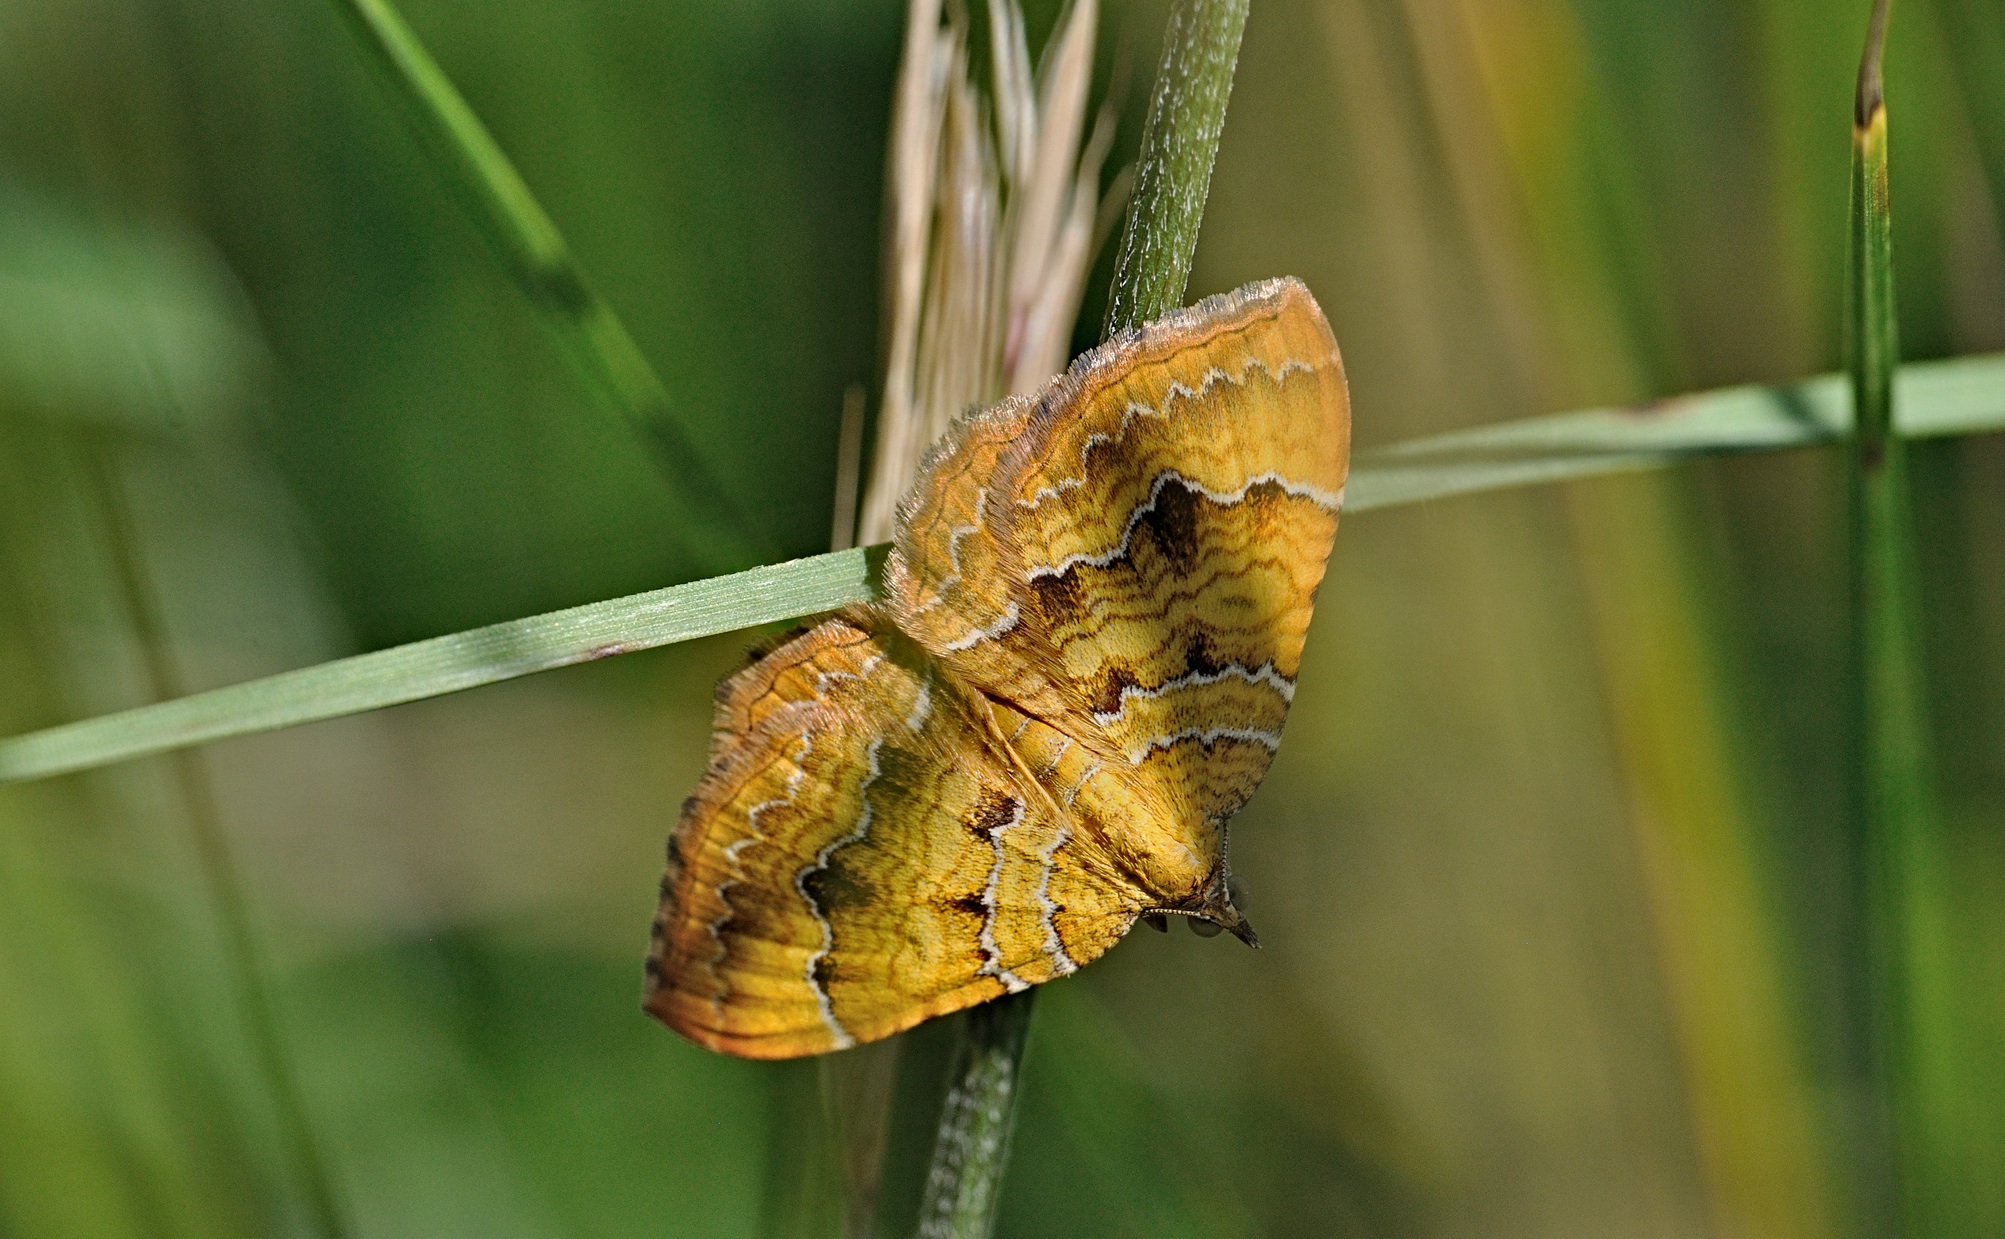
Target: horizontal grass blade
point(1960, 396)
point(448, 664)
point(1964, 395)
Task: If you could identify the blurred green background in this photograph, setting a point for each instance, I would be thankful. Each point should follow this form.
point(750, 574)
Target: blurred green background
point(1549, 873)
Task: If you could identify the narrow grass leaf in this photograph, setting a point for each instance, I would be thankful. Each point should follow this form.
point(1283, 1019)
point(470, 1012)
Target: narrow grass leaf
point(451, 663)
point(1961, 396)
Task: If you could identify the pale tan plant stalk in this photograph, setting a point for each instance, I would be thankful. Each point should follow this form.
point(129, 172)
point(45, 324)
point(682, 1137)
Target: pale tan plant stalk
point(848, 468)
point(993, 199)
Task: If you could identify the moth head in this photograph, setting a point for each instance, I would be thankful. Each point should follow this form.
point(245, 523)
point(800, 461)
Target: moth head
point(1214, 913)
point(1220, 913)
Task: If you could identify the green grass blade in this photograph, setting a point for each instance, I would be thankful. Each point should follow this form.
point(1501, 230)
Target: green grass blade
point(1939, 397)
point(1179, 146)
point(1909, 1088)
point(586, 329)
point(1960, 396)
point(451, 663)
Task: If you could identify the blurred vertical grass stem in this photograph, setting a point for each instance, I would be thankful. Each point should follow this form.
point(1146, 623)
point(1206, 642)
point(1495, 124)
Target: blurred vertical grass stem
point(1908, 1087)
point(245, 966)
point(1534, 127)
point(583, 325)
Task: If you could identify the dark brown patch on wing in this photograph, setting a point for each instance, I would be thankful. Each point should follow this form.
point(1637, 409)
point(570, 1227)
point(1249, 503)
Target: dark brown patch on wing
point(970, 903)
point(1107, 692)
point(833, 886)
point(1199, 658)
point(1060, 597)
point(992, 812)
point(1172, 524)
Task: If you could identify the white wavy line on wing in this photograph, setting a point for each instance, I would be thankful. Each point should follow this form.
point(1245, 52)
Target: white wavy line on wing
point(824, 678)
point(1088, 776)
point(1207, 736)
point(975, 636)
point(992, 966)
point(1212, 375)
point(841, 1036)
point(954, 537)
point(734, 855)
point(1263, 674)
point(922, 708)
point(1061, 963)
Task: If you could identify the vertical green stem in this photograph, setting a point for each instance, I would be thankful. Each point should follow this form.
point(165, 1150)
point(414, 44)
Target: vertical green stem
point(1179, 145)
point(1898, 882)
point(586, 329)
point(245, 967)
point(964, 1186)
